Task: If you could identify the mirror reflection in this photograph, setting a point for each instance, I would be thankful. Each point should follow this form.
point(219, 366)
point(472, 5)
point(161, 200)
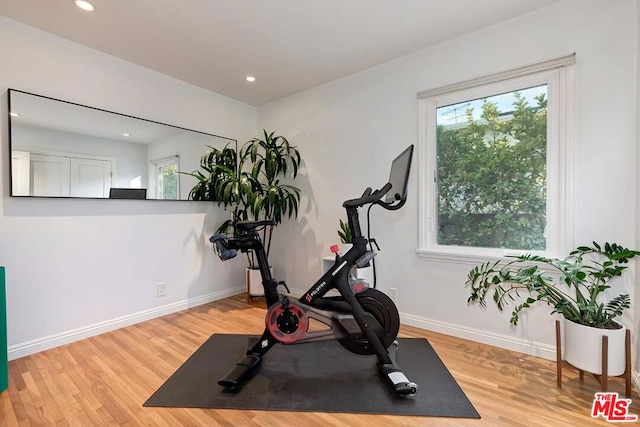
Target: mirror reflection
point(63, 149)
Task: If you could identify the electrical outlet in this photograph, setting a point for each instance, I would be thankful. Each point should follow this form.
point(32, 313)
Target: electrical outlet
point(161, 289)
point(393, 294)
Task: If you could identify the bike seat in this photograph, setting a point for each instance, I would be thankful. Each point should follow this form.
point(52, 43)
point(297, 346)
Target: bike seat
point(252, 225)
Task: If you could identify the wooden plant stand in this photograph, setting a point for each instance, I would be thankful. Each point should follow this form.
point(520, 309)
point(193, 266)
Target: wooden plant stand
point(602, 379)
point(248, 281)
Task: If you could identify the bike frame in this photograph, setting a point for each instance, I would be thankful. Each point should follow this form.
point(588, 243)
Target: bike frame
point(337, 277)
point(327, 310)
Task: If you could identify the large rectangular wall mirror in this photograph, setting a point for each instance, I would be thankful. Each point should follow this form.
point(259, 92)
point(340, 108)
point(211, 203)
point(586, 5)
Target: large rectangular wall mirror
point(62, 149)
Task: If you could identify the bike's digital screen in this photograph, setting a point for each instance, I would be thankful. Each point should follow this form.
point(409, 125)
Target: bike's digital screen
point(399, 176)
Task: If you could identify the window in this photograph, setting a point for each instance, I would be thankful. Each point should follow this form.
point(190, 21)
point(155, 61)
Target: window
point(167, 178)
point(494, 169)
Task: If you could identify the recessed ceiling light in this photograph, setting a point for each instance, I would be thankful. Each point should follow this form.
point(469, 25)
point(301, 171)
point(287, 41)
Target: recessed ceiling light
point(84, 5)
point(14, 114)
point(251, 79)
point(125, 134)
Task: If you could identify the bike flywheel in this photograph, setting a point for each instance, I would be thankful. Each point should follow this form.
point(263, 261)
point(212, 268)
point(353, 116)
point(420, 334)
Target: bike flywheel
point(287, 323)
point(382, 308)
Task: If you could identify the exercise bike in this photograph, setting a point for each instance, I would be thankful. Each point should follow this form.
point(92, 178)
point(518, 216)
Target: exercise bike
point(362, 319)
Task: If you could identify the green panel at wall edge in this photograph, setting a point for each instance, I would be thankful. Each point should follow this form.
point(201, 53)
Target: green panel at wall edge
point(4, 363)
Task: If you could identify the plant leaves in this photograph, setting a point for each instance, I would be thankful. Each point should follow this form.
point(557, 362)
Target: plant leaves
point(573, 292)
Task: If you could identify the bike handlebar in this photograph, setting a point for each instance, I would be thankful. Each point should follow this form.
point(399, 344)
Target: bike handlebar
point(368, 197)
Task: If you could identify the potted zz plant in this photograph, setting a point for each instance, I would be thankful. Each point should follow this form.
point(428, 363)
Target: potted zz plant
point(250, 182)
point(575, 288)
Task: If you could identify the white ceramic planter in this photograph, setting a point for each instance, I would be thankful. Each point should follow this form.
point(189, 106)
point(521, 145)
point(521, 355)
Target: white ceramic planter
point(254, 282)
point(583, 348)
point(344, 247)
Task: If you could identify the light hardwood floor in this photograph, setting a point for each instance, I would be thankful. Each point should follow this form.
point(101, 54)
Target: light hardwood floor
point(104, 380)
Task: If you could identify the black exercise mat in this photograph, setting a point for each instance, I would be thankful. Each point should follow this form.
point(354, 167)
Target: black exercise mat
point(318, 377)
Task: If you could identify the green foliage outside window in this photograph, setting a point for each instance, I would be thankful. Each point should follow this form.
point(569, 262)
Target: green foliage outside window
point(491, 176)
point(169, 182)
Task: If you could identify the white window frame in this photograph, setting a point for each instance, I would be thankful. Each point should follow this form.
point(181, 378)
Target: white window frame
point(557, 74)
point(160, 163)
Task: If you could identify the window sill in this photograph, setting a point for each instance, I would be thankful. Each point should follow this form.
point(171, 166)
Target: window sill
point(458, 257)
point(474, 259)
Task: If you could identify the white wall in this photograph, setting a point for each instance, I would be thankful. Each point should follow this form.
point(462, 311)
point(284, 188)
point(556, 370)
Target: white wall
point(77, 267)
point(349, 129)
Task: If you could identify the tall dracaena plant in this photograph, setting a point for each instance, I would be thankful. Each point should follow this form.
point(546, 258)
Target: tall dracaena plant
point(250, 181)
point(221, 180)
point(272, 157)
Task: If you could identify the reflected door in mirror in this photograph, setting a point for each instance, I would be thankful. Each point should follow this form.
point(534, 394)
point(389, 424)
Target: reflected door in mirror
point(49, 175)
point(90, 177)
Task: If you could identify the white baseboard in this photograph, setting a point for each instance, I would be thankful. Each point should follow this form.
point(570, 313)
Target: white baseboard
point(537, 349)
point(296, 293)
point(34, 346)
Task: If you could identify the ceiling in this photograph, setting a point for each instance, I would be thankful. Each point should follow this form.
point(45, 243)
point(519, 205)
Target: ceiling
point(288, 45)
